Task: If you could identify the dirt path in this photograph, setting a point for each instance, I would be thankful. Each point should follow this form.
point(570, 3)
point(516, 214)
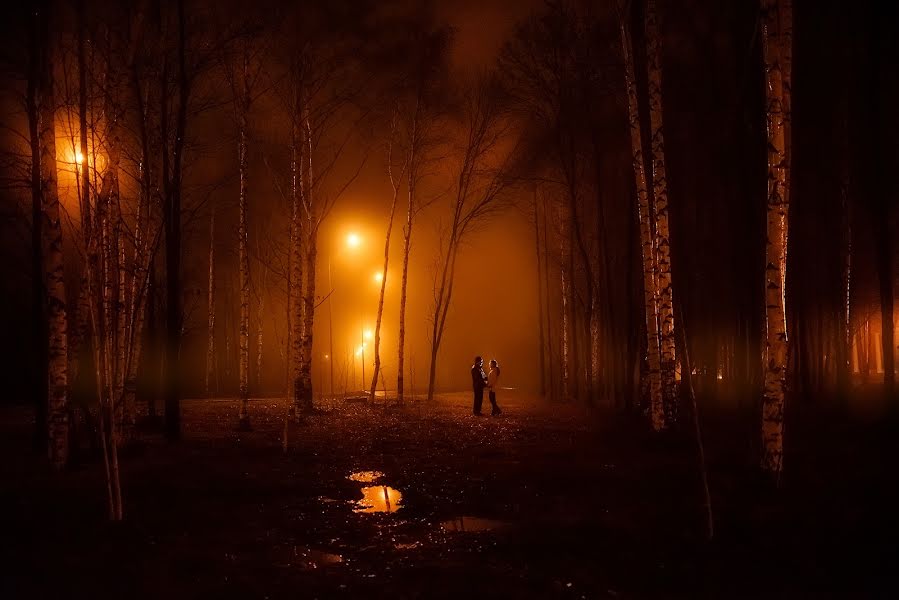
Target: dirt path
point(537, 503)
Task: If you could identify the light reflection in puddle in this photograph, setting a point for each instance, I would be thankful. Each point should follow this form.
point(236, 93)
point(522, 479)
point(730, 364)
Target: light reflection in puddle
point(366, 476)
point(379, 498)
point(473, 524)
point(376, 498)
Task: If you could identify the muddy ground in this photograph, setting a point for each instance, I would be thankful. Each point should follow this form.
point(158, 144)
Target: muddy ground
point(542, 502)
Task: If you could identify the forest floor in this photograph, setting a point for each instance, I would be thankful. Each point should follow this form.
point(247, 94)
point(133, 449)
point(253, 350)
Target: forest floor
point(542, 502)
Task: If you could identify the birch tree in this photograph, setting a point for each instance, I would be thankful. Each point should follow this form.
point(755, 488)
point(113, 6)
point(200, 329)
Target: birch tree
point(240, 79)
point(295, 252)
point(541, 340)
point(773, 11)
point(647, 243)
point(172, 150)
point(546, 69)
point(210, 306)
point(424, 119)
point(260, 320)
point(481, 180)
point(38, 310)
point(326, 124)
point(660, 205)
point(51, 243)
point(396, 183)
point(96, 231)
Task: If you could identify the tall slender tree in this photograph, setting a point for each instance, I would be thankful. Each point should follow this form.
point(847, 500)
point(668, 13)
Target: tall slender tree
point(419, 125)
point(647, 243)
point(172, 173)
point(541, 340)
point(241, 89)
point(210, 307)
point(38, 306)
point(396, 183)
point(776, 244)
point(481, 182)
point(51, 248)
point(660, 205)
point(295, 254)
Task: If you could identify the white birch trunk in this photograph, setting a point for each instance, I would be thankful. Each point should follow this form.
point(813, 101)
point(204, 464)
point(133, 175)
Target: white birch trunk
point(776, 245)
point(259, 332)
point(54, 281)
point(305, 392)
point(210, 307)
point(377, 350)
point(595, 351)
point(295, 285)
point(134, 314)
point(660, 196)
point(541, 340)
point(243, 259)
point(404, 282)
point(647, 245)
point(564, 341)
point(407, 247)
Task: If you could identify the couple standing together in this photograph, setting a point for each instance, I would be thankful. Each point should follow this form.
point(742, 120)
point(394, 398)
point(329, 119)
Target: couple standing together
point(480, 380)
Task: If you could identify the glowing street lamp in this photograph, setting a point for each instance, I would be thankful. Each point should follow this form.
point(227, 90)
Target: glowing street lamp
point(353, 240)
point(378, 277)
point(366, 335)
point(79, 157)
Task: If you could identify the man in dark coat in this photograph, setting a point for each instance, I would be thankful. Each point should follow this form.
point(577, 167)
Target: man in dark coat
point(478, 383)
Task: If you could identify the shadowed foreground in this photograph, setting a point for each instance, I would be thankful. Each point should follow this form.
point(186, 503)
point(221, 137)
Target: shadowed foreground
point(532, 504)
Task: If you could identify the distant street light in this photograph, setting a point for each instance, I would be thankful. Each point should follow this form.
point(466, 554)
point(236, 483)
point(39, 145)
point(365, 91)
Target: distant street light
point(353, 241)
point(378, 277)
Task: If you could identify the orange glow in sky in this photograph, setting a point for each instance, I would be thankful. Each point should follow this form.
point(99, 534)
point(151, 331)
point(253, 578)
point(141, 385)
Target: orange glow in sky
point(353, 240)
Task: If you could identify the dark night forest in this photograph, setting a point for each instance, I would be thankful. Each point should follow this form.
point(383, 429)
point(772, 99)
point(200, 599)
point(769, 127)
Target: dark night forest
point(417, 299)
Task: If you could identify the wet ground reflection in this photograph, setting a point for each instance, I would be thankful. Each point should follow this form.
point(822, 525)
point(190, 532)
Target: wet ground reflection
point(376, 498)
point(473, 524)
point(309, 558)
point(379, 498)
point(366, 476)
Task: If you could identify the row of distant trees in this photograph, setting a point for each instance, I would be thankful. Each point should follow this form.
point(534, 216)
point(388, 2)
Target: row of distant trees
point(571, 128)
point(627, 295)
point(558, 74)
point(112, 95)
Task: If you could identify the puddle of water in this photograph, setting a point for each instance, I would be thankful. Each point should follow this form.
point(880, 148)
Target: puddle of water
point(379, 498)
point(365, 476)
point(406, 545)
point(473, 524)
point(310, 558)
point(376, 498)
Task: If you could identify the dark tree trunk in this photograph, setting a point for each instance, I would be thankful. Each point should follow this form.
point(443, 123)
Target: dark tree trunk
point(173, 244)
point(542, 340)
point(38, 315)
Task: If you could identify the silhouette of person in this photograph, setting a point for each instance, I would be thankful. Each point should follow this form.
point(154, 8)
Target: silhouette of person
point(492, 380)
point(478, 383)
